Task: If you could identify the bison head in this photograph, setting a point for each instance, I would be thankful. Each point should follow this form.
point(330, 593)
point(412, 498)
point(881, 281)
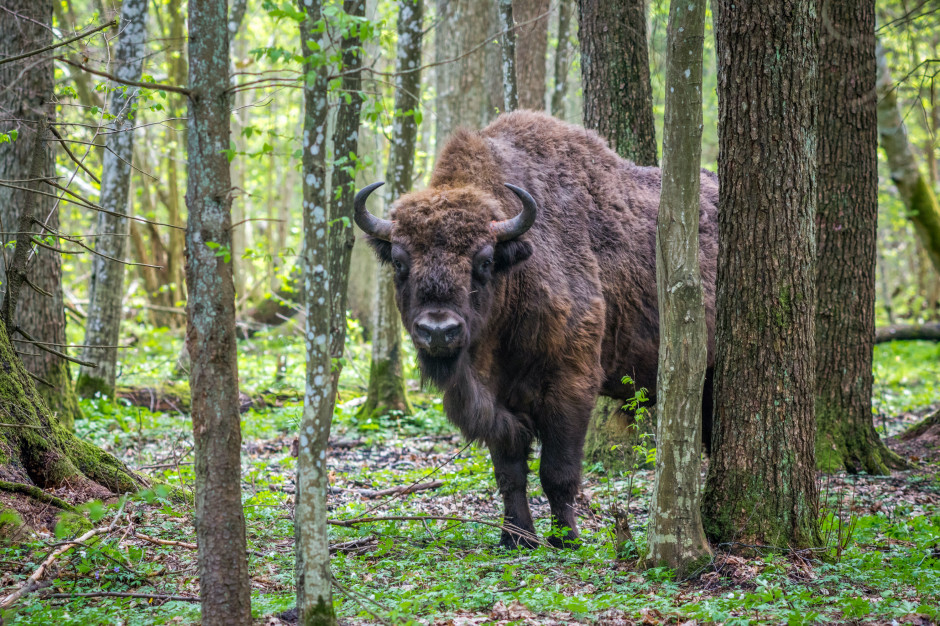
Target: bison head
point(449, 250)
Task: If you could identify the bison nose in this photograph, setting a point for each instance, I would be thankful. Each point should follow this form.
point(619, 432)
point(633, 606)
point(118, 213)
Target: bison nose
point(437, 332)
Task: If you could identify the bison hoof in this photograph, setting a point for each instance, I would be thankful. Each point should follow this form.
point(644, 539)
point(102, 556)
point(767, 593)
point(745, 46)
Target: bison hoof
point(514, 541)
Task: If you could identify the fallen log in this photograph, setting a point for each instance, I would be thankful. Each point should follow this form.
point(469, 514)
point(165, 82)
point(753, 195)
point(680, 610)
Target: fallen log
point(908, 332)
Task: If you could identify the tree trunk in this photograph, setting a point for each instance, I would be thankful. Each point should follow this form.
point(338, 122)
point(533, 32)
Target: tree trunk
point(468, 89)
point(507, 48)
point(615, 73)
point(761, 485)
point(220, 521)
point(916, 193)
point(106, 288)
point(559, 91)
point(675, 537)
point(846, 235)
point(25, 99)
point(312, 553)
point(531, 48)
point(386, 380)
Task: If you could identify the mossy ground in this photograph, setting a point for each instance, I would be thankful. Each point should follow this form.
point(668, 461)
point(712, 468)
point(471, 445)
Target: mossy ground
point(880, 533)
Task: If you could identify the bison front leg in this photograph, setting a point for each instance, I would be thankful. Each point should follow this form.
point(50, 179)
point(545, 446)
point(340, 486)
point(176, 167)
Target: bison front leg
point(511, 468)
point(560, 472)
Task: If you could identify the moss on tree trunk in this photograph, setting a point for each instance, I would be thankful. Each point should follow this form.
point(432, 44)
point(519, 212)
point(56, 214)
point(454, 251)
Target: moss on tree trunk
point(612, 434)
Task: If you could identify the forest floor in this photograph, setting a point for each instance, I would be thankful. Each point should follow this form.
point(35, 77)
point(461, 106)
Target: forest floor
point(881, 564)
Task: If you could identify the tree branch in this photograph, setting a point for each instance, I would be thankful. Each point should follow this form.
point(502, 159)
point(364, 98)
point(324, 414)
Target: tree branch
point(26, 55)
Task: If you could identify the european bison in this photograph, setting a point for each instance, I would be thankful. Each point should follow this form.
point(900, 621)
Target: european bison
point(526, 276)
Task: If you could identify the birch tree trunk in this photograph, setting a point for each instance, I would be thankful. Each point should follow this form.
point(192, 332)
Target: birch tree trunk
point(106, 288)
point(210, 336)
point(26, 98)
point(507, 47)
point(761, 486)
point(559, 91)
point(312, 549)
point(918, 196)
point(846, 237)
point(386, 380)
point(615, 73)
point(531, 49)
point(676, 538)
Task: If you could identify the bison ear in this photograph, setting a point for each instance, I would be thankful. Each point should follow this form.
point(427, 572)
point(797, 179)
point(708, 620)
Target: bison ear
point(509, 253)
point(382, 249)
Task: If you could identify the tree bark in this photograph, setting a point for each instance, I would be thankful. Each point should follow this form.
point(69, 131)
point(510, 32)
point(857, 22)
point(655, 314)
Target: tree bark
point(676, 538)
point(468, 89)
point(761, 486)
point(312, 553)
point(507, 47)
point(919, 199)
point(220, 521)
point(846, 236)
point(386, 381)
point(615, 75)
point(531, 48)
point(106, 287)
point(25, 99)
point(559, 91)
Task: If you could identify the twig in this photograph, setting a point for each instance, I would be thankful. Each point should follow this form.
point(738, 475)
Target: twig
point(31, 582)
point(132, 83)
point(356, 596)
point(165, 542)
point(120, 594)
point(30, 490)
point(22, 426)
point(404, 490)
point(65, 146)
point(26, 55)
point(45, 348)
point(350, 545)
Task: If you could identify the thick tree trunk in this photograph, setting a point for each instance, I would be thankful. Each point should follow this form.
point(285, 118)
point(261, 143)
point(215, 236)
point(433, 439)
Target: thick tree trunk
point(531, 49)
point(675, 537)
point(507, 48)
point(761, 485)
point(615, 74)
point(846, 233)
point(469, 90)
point(559, 91)
point(25, 99)
point(210, 336)
point(386, 381)
point(919, 199)
point(106, 288)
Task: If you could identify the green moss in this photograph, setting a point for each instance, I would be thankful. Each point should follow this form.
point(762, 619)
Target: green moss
point(386, 391)
point(88, 386)
point(320, 615)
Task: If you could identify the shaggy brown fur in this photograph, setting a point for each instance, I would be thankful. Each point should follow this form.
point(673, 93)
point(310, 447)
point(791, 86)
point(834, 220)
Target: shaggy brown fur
point(556, 316)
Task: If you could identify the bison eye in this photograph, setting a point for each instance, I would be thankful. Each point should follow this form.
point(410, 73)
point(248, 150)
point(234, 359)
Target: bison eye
point(398, 265)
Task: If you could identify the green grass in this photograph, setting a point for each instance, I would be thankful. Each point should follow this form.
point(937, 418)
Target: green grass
point(424, 572)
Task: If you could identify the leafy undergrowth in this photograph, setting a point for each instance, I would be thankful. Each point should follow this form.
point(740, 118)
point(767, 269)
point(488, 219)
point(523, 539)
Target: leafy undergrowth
point(882, 564)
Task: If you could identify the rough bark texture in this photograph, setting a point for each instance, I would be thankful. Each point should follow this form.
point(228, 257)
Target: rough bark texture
point(615, 74)
point(312, 554)
point(675, 537)
point(846, 233)
point(915, 191)
point(761, 485)
point(561, 59)
point(469, 91)
point(106, 288)
point(386, 380)
point(26, 97)
point(531, 49)
point(220, 521)
point(507, 48)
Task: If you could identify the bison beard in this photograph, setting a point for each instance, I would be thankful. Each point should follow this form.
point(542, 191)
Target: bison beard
point(526, 302)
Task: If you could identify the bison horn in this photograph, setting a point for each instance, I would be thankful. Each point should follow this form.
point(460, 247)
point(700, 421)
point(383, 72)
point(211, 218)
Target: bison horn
point(513, 227)
point(370, 224)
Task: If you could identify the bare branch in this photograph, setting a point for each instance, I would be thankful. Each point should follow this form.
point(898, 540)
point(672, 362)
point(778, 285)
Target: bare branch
point(132, 83)
point(26, 55)
point(72, 156)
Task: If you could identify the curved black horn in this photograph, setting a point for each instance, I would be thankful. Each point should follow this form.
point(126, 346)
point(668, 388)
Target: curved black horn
point(513, 227)
point(370, 224)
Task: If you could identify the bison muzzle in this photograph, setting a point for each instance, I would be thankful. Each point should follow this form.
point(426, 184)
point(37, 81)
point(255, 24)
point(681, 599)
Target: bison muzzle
point(525, 274)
